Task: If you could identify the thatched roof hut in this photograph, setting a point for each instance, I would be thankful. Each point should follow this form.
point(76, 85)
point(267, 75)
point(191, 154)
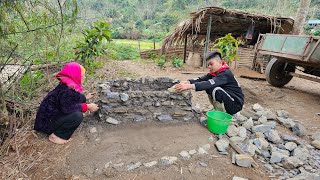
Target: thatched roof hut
point(216, 22)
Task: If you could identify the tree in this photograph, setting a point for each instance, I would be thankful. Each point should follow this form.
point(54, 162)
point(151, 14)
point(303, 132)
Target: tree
point(301, 16)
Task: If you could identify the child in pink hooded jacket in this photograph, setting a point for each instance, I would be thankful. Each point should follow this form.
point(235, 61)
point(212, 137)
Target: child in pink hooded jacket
point(61, 111)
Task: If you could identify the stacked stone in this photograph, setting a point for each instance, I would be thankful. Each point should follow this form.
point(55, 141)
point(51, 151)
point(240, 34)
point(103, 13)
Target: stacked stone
point(284, 155)
point(147, 98)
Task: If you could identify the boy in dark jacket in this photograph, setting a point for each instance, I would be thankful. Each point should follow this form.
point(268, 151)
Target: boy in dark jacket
point(223, 89)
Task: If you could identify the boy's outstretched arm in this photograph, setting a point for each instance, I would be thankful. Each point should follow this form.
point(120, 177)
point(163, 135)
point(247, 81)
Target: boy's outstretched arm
point(202, 78)
point(211, 83)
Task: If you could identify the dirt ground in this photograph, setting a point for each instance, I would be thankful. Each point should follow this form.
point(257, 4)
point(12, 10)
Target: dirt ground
point(86, 156)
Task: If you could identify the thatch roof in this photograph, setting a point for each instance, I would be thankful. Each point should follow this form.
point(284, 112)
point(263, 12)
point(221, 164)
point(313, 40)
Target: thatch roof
point(225, 21)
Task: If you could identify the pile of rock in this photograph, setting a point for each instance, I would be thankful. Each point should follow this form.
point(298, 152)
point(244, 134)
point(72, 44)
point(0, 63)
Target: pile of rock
point(284, 155)
point(125, 100)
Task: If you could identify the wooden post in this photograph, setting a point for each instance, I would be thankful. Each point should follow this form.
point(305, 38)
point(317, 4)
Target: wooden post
point(154, 44)
point(139, 45)
point(207, 41)
point(185, 49)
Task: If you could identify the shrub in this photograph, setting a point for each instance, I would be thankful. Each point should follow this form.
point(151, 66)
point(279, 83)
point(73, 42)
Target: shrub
point(177, 62)
point(122, 52)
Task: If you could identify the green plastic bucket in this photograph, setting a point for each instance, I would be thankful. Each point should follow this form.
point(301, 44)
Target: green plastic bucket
point(218, 121)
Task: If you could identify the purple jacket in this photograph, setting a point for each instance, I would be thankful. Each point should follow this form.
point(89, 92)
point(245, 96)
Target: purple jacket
point(59, 102)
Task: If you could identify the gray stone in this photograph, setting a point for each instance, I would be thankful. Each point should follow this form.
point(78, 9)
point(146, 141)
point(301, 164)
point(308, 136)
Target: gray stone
point(93, 130)
point(107, 165)
point(261, 143)
point(290, 146)
point(222, 144)
point(196, 108)
point(265, 154)
point(238, 178)
point(316, 144)
point(287, 122)
point(263, 120)
point(232, 131)
point(113, 95)
point(112, 121)
point(150, 164)
point(185, 155)
point(273, 136)
point(157, 104)
point(118, 165)
point(241, 118)
point(301, 152)
point(192, 152)
point(316, 136)
point(133, 166)
point(165, 118)
point(257, 107)
point(203, 164)
point(124, 97)
point(283, 114)
point(263, 128)
point(252, 149)
point(243, 160)
point(299, 130)
point(261, 113)
point(206, 147)
point(188, 117)
point(242, 132)
point(237, 139)
point(201, 151)
point(248, 124)
point(168, 160)
point(277, 157)
point(282, 151)
point(292, 162)
point(139, 118)
point(270, 115)
point(268, 167)
point(306, 176)
point(288, 138)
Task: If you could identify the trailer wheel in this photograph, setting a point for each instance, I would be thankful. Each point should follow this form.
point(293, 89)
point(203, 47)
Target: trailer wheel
point(277, 72)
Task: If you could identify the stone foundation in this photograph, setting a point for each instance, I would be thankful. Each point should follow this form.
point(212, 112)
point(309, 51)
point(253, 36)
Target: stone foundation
point(144, 99)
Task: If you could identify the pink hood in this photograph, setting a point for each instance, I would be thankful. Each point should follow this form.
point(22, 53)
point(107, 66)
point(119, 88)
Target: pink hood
point(71, 76)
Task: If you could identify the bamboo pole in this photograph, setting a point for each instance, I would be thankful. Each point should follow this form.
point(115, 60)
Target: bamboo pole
point(207, 41)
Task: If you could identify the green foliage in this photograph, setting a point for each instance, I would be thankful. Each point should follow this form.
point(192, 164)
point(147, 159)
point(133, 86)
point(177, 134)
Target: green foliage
point(122, 51)
point(30, 81)
point(91, 45)
point(228, 47)
point(176, 61)
point(161, 63)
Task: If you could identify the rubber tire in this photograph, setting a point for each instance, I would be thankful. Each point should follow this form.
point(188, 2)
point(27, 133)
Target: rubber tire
point(276, 75)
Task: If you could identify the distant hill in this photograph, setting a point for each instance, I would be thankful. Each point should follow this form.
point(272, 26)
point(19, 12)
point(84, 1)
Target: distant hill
point(153, 19)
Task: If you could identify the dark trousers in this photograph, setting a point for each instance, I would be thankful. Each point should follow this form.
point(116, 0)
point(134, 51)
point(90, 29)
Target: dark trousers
point(65, 126)
point(221, 96)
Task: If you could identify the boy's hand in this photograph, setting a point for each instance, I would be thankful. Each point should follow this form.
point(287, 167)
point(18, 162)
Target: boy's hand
point(183, 86)
point(92, 107)
point(184, 82)
point(90, 96)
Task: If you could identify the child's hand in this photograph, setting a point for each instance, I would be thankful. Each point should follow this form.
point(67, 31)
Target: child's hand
point(90, 96)
point(92, 107)
point(183, 86)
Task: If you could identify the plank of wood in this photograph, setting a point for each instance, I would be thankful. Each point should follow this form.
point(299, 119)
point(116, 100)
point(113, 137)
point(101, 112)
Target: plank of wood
point(238, 150)
point(194, 72)
point(254, 78)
